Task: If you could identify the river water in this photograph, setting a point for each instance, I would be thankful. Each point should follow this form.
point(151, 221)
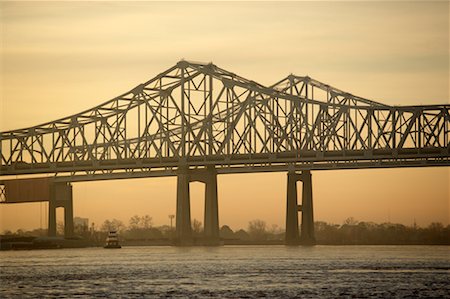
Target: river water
point(228, 272)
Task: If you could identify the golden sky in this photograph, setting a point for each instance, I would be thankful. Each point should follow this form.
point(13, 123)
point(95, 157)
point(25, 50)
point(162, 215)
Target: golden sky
point(58, 59)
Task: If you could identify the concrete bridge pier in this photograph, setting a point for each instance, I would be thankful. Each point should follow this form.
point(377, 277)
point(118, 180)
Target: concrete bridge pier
point(60, 196)
point(211, 221)
point(207, 176)
point(292, 235)
point(307, 232)
point(307, 225)
point(183, 214)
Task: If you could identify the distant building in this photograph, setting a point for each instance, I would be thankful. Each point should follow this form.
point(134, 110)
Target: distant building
point(81, 224)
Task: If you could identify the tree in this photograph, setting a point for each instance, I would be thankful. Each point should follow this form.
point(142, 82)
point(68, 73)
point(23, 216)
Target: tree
point(112, 225)
point(146, 222)
point(241, 235)
point(257, 229)
point(226, 232)
point(134, 222)
point(327, 233)
point(166, 231)
point(106, 226)
point(275, 232)
point(275, 229)
point(60, 228)
point(350, 221)
point(196, 227)
point(118, 225)
point(435, 226)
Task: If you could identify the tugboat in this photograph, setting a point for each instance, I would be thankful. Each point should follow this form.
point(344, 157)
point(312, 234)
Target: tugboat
point(112, 241)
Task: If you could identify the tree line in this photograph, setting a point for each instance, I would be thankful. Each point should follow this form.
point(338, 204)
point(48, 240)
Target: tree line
point(351, 232)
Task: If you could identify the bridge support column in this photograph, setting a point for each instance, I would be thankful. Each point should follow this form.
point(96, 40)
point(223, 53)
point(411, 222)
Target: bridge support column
point(292, 209)
point(51, 217)
point(292, 236)
point(211, 207)
point(61, 196)
point(207, 176)
point(183, 221)
point(68, 212)
point(307, 233)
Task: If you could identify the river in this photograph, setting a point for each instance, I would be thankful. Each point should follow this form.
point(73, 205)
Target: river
point(228, 272)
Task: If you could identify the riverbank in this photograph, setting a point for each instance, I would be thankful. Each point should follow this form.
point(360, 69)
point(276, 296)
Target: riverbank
point(34, 243)
point(30, 243)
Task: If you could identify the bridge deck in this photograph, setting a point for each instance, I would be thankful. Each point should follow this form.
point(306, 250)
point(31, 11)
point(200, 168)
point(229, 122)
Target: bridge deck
point(301, 160)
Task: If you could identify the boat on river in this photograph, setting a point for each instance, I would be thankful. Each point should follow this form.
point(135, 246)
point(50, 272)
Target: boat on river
point(112, 241)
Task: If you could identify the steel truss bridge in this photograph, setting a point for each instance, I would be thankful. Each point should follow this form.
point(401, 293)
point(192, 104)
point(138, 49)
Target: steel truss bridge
point(196, 120)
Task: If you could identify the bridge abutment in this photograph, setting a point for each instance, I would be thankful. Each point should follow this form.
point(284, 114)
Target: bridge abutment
point(60, 196)
point(292, 208)
point(207, 176)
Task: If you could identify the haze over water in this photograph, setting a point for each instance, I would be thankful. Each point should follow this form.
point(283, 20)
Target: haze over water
point(229, 272)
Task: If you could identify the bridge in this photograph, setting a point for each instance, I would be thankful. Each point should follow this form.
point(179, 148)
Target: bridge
point(195, 121)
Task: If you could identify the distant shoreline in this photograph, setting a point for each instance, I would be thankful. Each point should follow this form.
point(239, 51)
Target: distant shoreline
point(37, 243)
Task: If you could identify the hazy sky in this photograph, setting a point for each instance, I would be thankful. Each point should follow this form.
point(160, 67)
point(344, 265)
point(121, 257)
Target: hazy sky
point(58, 59)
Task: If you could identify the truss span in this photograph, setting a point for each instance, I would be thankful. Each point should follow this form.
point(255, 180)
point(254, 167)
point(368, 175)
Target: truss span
point(197, 114)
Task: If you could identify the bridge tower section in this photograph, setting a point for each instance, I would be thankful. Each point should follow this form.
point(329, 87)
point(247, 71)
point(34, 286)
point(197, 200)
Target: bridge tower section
point(307, 225)
point(208, 176)
point(60, 196)
point(57, 194)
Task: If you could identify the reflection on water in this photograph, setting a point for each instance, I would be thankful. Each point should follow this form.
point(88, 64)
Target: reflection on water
point(230, 271)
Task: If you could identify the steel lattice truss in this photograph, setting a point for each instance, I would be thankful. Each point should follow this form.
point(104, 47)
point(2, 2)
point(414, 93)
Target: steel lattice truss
point(199, 114)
